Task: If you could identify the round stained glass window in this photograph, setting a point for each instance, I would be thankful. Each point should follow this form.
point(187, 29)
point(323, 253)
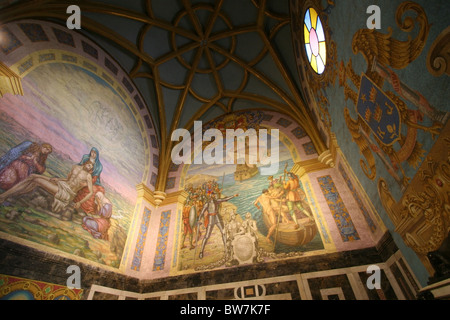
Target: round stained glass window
point(315, 44)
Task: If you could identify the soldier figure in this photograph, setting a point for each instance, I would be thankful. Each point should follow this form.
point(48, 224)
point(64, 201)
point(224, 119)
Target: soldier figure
point(210, 214)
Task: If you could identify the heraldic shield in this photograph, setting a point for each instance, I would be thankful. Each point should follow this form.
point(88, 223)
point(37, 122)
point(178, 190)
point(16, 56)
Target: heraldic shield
point(379, 112)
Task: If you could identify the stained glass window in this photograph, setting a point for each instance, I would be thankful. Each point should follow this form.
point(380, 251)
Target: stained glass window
point(315, 44)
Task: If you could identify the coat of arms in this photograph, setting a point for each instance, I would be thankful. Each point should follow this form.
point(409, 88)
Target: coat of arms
point(389, 112)
point(379, 112)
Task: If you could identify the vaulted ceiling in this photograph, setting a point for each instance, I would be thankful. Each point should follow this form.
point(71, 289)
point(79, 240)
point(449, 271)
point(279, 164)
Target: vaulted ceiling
point(193, 60)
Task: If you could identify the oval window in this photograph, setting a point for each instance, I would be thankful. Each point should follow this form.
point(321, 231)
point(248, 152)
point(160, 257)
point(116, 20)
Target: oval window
point(315, 44)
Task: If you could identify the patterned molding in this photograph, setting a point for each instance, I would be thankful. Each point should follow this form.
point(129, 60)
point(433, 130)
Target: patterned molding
point(356, 196)
point(438, 60)
point(9, 41)
point(338, 209)
point(347, 283)
point(161, 246)
point(14, 288)
point(10, 82)
point(140, 242)
point(321, 223)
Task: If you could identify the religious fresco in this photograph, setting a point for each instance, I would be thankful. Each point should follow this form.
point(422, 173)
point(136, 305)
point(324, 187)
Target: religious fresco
point(233, 215)
point(71, 155)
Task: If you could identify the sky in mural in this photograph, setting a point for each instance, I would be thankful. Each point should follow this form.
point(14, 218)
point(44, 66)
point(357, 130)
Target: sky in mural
point(74, 110)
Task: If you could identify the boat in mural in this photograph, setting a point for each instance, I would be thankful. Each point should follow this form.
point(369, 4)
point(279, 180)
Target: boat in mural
point(245, 172)
point(288, 234)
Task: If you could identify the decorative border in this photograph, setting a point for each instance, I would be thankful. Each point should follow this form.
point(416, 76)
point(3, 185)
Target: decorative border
point(35, 290)
point(338, 209)
point(140, 244)
point(161, 246)
point(362, 207)
point(318, 217)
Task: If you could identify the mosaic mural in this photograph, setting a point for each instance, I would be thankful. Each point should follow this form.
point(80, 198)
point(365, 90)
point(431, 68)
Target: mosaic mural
point(338, 209)
point(161, 247)
point(234, 215)
point(14, 288)
point(142, 237)
point(67, 180)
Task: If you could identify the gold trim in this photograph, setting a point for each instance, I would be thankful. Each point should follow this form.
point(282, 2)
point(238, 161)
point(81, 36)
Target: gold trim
point(10, 82)
point(438, 60)
point(175, 197)
point(145, 193)
point(422, 215)
point(304, 167)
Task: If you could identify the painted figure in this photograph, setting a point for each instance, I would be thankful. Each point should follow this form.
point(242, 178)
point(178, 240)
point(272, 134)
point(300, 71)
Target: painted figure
point(249, 226)
point(21, 161)
point(187, 231)
point(98, 226)
point(89, 205)
point(276, 183)
point(232, 229)
point(210, 214)
point(266, 207)
point(63, 190)
point(294, 197)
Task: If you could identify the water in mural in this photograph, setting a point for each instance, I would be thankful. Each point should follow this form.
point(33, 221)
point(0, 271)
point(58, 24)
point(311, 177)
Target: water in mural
point(233, 215)
point(63, 181)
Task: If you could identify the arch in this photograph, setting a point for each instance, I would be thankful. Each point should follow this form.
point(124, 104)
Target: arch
point(65, 76)
point(33, 43)
point(292, 135)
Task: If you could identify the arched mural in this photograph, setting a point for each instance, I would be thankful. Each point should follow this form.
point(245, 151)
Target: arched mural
point(72, 151)
point(233, 215)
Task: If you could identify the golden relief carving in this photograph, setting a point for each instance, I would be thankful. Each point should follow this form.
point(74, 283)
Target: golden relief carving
point(438, 59)
point(382, 116)
point(389, 51)
point(9, 81)
point(359, 136)
point(422, 215)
